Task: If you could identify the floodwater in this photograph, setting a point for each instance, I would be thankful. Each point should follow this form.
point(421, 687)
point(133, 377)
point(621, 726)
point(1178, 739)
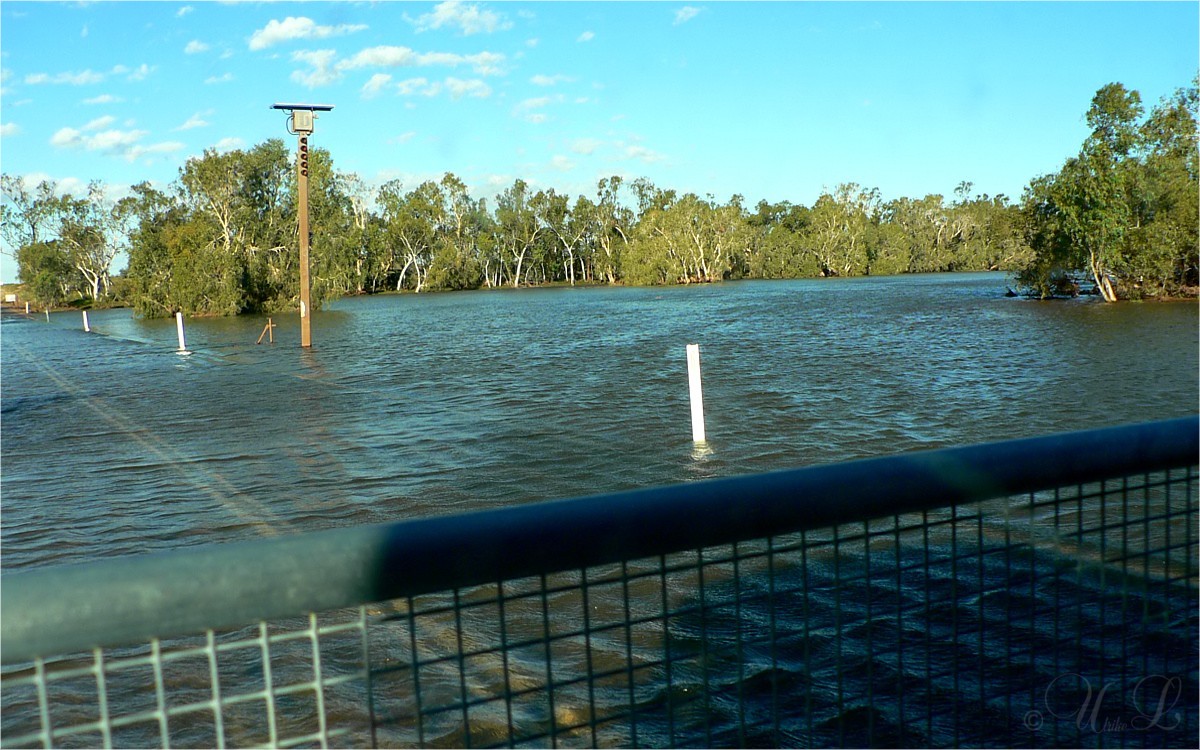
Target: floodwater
point(409, 406)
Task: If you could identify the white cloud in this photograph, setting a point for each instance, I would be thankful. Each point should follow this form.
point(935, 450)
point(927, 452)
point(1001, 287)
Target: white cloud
point(562, 163)
point(388, 56)
point(380, 57)
point(74, 79)
point(62, 185)
point(195, 121)
point(537, 118)
point(374, 86)
point(536, 102)
point(468, 19)
point(297, 27)
point(116, 142)
point(643, 154)
point(322, 73)
point(195, 47)
point(136, 74)
point(544, 80)
point(418, 87)
point(475, 88)
point(113, 140)
point(9, 128)
point(103, 99)
point(685, 14)
point(83, 34)
point(100, 122)
point(226, 78)
point(586, 36)
point(585, 146)
point(72, 138)
point(229, 144)
point(403, 137)
point(184, 11)
point(166, 147)
point(484, 63)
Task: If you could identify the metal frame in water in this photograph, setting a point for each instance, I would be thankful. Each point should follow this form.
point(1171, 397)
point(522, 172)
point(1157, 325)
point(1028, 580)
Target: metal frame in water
point(1039, 592)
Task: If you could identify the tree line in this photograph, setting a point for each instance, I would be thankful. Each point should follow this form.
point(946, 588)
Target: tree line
point(222, 238)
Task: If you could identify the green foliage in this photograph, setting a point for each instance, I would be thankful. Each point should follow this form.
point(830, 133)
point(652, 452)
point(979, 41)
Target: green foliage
point(86, 232)
point(223, 238)
point(1124, 210)
point(43, 267)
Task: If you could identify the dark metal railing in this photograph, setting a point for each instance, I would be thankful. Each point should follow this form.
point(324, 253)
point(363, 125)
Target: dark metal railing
point(1034, 592)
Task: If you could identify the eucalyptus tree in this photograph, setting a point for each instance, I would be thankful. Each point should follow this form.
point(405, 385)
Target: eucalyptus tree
point(840, 224)
point(890, 250)
point(45, 269)
point(150, 274)
point(517, 226)
point(360, 243)
point(1085, 208)
point(1163, 258)
point(778, 249)
point(335, 241)
point(654, 247)
point(411, 221)
point(89, 232)
point(568, 228)
point(687, 240)
point(611, 223)
point(583, 224)
point(463, 238)
point(27, 215)
point(1124, 210)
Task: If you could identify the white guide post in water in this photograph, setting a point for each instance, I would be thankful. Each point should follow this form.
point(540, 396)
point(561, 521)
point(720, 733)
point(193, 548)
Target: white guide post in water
point(179, 330)
point(86, 327)
point(697, 394)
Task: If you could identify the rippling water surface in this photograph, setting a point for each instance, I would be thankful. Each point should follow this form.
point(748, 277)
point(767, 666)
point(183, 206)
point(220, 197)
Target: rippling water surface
point(407, 406)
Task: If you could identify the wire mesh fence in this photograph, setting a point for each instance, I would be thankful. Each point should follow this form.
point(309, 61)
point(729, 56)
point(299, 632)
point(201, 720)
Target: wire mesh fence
point(1059, 616)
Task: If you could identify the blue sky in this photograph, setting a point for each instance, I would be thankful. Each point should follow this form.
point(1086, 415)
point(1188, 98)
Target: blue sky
point(775, 100)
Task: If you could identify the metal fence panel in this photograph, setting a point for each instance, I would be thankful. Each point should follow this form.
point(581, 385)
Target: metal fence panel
point(1065, 614)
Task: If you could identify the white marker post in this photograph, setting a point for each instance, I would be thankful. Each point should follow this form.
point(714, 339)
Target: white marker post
point(696, 392)
point(179, 330)
point(86, 327)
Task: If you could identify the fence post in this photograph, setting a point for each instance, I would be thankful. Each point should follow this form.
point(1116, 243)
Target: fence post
point(179, 331)
point(696, 393)
point(86, 327)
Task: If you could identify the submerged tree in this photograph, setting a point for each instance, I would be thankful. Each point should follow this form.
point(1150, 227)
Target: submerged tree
point(1123, 210)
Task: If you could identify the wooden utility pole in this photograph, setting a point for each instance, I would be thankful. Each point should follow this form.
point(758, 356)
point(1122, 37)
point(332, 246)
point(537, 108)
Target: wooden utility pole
point(302, 198)
point(300, 123)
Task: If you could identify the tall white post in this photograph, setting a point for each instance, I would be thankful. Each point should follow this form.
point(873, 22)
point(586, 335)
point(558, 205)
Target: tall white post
point(696, 392)
point(26, 308)
point(179, 330)
point(86, 327)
